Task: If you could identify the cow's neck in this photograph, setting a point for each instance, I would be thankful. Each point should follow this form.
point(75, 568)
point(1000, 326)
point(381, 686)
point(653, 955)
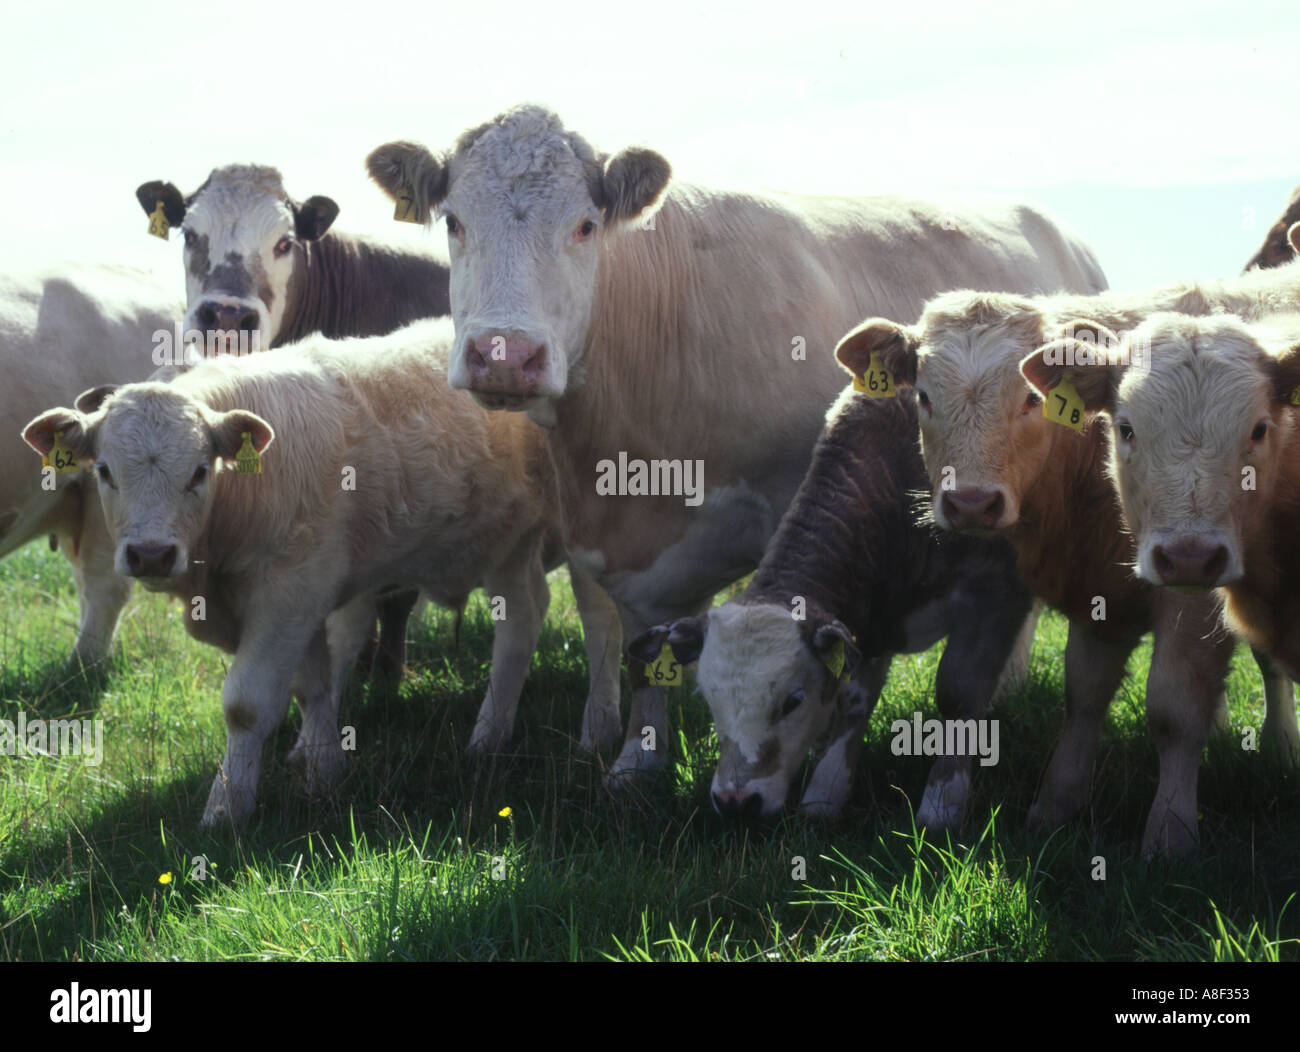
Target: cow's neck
point(350, 287)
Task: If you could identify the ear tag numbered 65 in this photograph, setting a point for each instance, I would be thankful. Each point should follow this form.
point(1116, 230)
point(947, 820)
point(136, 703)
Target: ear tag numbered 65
point(665, 670)
point(1064, 405)
point(60, 458)
point(248, 461)
point(405, 210)
point(878, 382)
point(158, 225)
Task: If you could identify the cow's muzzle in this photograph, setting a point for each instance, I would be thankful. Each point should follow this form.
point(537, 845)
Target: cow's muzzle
point(506, 365)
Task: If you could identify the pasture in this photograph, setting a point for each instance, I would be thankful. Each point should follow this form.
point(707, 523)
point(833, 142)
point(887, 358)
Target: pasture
point(424, 854)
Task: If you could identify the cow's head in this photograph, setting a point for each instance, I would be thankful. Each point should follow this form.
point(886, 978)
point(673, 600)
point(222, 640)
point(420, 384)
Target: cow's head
point(983, 434)
point(1282, 242)
point(770, 686)
point(244, 253)
point(154, 451)
point(1197, 437)
point(529, 208)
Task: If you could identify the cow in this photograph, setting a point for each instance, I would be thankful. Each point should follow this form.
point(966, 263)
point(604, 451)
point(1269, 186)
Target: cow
point(852, 576)
point(48, 321)
point(1205, 456)
point(379, 474)
point(1279, 246)
point(652, 329)
point(998, 464)
point(263, 269)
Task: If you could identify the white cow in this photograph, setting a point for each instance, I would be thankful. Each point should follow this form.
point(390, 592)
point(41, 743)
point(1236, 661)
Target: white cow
point(379, 474)
point(61, 333)
point(680, 336)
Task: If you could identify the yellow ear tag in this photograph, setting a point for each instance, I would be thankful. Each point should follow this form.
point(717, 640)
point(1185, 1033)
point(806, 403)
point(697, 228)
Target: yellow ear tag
point(879, 382)
point(61, 458)
point(405, 212)
point(158, 225)
point(665, 670)
point(248, 461)
point(835, 659)
point(1295, 396)
point(1064, 405)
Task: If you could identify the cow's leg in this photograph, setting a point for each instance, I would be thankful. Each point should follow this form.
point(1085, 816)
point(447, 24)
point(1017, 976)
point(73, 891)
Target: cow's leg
point(1280, 733)
point(832, 779)
point(1189, 663)
point(1094, 669)
point(390, 654)
point(102, 591)
point(520, 582)
point(602, 634)
point(1016, 670)
point(645, 745)
point(254, 700)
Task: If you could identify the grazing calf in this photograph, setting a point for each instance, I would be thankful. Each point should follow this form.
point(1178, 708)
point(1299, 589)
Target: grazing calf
point(681, 327)
point(266, 270)
point(998, 464)
point(379, 474)
point(1206, 457)
point(853, 576)
point(47, 323)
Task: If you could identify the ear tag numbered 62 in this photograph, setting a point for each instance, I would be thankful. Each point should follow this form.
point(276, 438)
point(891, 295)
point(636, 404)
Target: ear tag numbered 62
point(60, 458)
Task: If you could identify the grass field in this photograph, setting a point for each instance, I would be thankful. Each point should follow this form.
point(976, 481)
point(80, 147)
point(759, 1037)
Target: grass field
point(412, 858)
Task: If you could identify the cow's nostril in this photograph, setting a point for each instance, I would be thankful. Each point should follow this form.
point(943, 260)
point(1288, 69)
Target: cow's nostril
point(752, 806)
point(1217, 564)
point(993, 513)
point(207, 316)
point(132, 558)
point(249, 321)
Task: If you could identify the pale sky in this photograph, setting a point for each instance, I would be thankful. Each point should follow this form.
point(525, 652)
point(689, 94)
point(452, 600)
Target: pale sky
point(1164, 132)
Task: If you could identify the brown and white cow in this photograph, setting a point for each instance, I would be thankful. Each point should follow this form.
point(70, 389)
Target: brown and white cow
point(998, 464)
point(48, 321)
point(1205, 451)
point(656, 329)
point(379, 474)
point(263, 270)
point(853, 576)
point(1279, 245)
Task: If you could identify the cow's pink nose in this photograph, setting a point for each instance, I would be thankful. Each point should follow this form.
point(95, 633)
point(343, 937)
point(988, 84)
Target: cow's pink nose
point(150, 560)
point(735, 803)
point(506, 363)
point(1190, 563)
point(972, 507)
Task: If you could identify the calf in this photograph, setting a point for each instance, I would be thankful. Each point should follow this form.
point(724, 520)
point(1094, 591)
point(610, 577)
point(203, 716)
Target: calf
point(997, 463)
point(262, 269)
point(1206, 457)
point(379, 473)
point(852, 576)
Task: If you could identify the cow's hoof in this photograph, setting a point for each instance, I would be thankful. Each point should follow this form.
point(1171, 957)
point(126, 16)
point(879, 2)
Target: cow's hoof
point(319, 765)
point(633, 763)
point(1046, 815)
point(1170, 837)
point(943, 806)
point(226, 806)
point(820, 810)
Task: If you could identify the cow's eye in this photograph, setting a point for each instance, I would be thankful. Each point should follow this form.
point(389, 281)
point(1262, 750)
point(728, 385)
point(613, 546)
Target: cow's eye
point(923, 399)
point(792, 702)
point(1125, 430)
point(1032, 401)
point(105, 476)
point(584, 231)
point(189, 235)
point(453, 226)
point(1257, 436)
point(282, 246)
point(200, 473)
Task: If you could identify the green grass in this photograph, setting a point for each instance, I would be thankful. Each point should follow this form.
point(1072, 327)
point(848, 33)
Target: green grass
point(410, 859)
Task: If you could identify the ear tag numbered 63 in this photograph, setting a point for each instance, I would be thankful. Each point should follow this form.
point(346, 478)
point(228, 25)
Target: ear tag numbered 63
point(878, 382)
point(1064, 405)
point(158, 225)
point(60, 458)
point(248, 461)
point(405, 210)
point(665, 670)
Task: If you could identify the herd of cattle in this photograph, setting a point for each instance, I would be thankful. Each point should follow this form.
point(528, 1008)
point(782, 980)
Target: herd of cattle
point(1125, 458)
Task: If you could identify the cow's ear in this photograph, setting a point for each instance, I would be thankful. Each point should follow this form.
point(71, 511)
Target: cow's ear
point(228, 430)
point(1087, 351)
point(313, 217)
point(835, 648)
point(89, 401)
point(407, 166)
point(685, 636)
point(1293, 238)
point(632, 183)
point(1286, 374)
point(62, 425)
point(149, 194)
point(896, 345)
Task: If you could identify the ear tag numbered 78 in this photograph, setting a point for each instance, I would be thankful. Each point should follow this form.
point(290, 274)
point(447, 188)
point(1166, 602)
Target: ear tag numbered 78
point(878, 382)
point(248, 461)
point(665, 670)
point(405, 210)
point(158, 225)
point(1064, 405)
point(60, 458)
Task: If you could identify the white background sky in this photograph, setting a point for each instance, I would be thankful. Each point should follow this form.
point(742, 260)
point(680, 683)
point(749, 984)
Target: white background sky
point(1166, 133)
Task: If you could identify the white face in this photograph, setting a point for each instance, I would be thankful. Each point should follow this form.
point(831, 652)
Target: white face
point(771, 700)
point(1195, 448)
point(240, 254)
point(523, 236)
point(983, 434)
point(154, 452)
